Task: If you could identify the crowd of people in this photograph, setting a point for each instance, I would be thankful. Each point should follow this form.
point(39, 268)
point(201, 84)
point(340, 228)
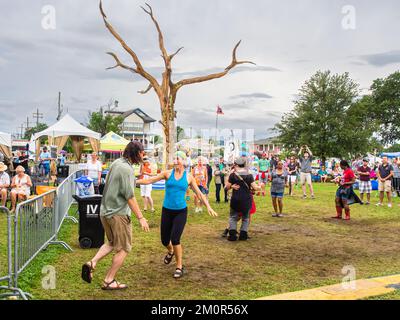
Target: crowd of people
point(239, 181)
point(236, 180)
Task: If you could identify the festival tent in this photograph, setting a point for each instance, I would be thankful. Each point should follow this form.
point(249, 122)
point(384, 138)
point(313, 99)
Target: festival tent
point(391, 155)
point(113, 142)
point(5, 144)
point(68, 127)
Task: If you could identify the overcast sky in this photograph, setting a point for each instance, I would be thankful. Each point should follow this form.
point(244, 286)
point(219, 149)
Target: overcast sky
point(288, 40)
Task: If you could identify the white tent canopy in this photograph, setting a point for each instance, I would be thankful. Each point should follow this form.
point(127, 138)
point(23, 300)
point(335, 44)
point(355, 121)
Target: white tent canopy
point(5, 144)
point(5, 139)
point(67, 126)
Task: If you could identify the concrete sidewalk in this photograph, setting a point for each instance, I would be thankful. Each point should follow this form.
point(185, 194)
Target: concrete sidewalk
point(363, 288)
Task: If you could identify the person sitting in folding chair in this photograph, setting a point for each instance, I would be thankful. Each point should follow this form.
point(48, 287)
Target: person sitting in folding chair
point(4, 184)
point(21, 187)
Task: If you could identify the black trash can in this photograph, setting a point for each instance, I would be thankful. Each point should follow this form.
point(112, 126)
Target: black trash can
point(91, 232)
point(62, 171)
point(102, 183)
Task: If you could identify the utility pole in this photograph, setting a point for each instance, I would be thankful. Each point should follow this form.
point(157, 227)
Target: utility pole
point(38, 116)
point(59, 107)
point(22, 130)
point(27, 123)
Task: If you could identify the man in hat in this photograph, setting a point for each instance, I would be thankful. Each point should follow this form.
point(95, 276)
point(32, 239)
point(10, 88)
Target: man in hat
point(4, 183)
point(385, 174)
point(24, 161)
point(242, 183)
point(305, 157)
point(365, 181)
point(45, 158)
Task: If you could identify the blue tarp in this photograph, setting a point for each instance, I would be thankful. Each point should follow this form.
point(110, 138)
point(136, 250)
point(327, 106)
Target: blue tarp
point(391, 154)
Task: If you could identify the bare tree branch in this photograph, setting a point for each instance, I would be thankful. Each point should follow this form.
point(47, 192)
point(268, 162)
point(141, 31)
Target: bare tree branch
point(120, 64)
point(233, 64)
point(146, 90)
point(176, 52)
point(165, 56)
point(139, 68)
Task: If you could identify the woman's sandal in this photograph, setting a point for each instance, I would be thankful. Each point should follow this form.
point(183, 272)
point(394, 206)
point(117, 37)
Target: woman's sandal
point(107, 286)
point(178, 273)
point(168, 258)
point(87, 272)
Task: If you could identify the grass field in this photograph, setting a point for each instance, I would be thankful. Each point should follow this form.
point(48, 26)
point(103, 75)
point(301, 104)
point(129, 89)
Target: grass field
point(303, 250)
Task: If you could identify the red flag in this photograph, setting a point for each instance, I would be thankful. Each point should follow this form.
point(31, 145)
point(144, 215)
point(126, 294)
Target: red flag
point(219, 110)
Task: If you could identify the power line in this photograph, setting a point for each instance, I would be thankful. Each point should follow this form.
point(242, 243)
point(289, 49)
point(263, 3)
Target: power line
point(38, 116)
point(22, 130)
point(27, 123)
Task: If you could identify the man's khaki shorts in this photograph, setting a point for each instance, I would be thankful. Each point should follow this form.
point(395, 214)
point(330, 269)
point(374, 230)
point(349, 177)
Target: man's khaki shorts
point(385, 186)
point(118, 230)
point(305, 178)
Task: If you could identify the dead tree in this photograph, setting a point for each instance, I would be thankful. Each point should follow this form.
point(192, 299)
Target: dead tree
point(166, 90)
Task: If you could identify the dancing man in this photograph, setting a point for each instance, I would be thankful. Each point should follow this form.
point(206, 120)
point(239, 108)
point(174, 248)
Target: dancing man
point(305, 157)
point(115, 213)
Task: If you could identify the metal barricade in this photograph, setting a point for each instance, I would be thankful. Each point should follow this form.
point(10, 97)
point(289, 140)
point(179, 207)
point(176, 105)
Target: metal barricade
point(10, 289)
point(73, 167)
point(35, 226)
point(65, 191)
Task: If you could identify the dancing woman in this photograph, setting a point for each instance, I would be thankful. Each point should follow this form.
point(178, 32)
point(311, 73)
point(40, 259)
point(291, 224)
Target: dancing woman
point(345, 194)
point(174, 211)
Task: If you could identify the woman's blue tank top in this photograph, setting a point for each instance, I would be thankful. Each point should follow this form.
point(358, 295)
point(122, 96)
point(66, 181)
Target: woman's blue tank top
point(175, 192)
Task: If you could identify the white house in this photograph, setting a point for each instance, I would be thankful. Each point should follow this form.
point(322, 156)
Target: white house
point(137, 125)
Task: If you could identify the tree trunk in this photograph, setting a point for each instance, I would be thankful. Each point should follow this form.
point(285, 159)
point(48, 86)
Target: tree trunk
point(169, 134)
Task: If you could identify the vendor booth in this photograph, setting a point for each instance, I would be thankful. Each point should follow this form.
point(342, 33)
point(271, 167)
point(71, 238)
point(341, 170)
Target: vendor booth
point(112, 146)
point(113, 143)
point(391, 155)
point(66, 128)
point(5, 144)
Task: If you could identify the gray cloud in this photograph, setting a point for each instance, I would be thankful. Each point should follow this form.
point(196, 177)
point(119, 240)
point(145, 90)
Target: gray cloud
point(35, 63)
point(235, 70)
point(256, 95)
point(302, 60)
point(382, 59)
point(236, 116)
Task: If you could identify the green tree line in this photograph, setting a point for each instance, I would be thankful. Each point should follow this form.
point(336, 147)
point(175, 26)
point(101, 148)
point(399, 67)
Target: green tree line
point(335, 120)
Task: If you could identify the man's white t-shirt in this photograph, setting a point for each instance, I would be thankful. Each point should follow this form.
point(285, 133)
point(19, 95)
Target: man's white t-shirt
point(94, 169)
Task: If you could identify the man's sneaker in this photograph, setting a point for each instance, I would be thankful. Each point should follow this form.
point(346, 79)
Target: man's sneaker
point(275, 215)
point(280, 215)
point(389, 205)
point(367, 203)
point(312, 196)
point(379, 204)
point(196, 210)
